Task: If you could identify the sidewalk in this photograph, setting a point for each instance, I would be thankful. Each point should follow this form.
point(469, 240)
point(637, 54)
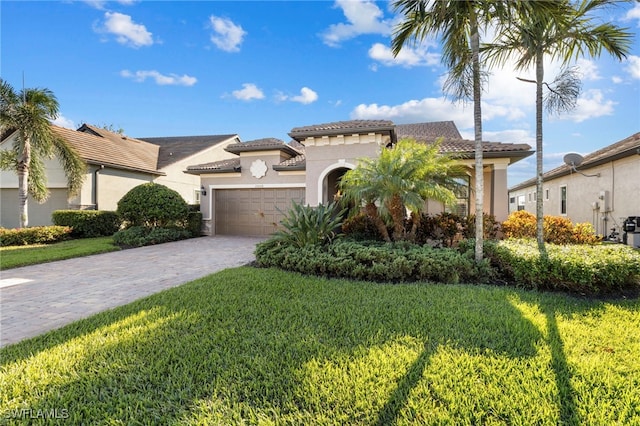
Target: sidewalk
point(39, 298)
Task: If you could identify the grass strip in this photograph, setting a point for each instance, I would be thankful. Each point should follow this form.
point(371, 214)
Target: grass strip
point(15, 256)
point(263, 346)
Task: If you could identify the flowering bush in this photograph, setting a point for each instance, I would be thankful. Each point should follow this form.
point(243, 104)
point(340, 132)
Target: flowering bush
point(557, 229)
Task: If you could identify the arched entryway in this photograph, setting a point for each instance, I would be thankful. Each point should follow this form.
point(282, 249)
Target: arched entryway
point(328, 184)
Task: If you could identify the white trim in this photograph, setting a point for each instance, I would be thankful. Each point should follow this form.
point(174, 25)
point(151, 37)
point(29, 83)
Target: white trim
point(258, 185)
point(341, 164)
point(292, 173)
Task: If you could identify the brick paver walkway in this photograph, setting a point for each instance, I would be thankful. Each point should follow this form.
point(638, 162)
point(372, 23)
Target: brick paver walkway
point(39, 298)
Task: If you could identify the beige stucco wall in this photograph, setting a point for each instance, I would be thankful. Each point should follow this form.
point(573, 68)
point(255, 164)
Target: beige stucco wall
point(39, 214)
point(187, 184)
point(618, 185)
point(113, 184)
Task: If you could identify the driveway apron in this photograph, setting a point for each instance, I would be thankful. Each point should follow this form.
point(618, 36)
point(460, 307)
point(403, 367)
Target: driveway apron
point(39, 298)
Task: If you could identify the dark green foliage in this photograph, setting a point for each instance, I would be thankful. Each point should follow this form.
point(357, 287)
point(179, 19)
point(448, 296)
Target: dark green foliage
point(88, 223)
point(491, 228)
point(372, 261)
point(589, 269)
point(194, 223)
point(442, 229)
point(153, 205)
point(305, 225)
point(361, 227)
point(138, 236)
point(34, 235)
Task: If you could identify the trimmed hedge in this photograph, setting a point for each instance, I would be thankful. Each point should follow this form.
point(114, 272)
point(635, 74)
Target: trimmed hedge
point(138, 236)
point(556, 229)
point(589, 269)
point(34, 235)
point(372, 261)
point(194, 223)
point(88, 223)
point(153, 205)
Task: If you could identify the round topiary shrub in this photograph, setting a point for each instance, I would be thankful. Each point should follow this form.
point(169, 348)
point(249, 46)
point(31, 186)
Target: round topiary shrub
point(153, 205)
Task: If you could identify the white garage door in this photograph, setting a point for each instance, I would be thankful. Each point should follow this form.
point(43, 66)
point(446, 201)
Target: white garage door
point(253, 211)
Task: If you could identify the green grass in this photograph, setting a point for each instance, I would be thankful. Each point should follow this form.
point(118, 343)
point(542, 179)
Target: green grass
point(261, 346)
point(14, 256)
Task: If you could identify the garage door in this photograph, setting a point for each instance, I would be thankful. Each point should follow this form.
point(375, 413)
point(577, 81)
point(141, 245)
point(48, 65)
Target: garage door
point(252, 211)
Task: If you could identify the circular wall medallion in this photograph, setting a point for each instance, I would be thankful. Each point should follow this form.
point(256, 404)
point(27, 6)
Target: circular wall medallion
point(258, 169)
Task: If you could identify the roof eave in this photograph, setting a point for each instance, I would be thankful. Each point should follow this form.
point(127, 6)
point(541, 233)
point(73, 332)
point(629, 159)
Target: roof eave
point(120, 167)
point(301, 136)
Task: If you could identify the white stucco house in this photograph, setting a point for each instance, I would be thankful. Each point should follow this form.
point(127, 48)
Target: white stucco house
point(248, 194)
point(603, 190)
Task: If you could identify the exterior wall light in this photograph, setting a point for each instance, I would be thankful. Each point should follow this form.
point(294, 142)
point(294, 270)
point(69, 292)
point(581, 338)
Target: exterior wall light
point(203, 191)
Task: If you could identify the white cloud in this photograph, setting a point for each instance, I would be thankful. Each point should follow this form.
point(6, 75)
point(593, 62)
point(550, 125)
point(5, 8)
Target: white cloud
point(100, 4)
point(634, 13)
point(126, 31)
point(65, 122)
point(363, 17)
point(305, 97)
point(588, 69)
point(160, 79)
point(617, 80)
point(248, 92)
point(633, 66)
point(408, 57)
point(226, 35)
point(591, 104)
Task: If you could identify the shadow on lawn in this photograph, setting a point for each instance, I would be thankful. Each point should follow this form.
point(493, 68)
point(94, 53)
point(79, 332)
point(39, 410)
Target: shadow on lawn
point(242, 336)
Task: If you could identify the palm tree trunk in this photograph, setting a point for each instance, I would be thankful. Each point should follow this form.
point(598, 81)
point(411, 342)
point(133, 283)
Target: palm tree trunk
point(372, 211)
point(477, 124)
point(539, 156)
point(23, 183)
point(398, 213)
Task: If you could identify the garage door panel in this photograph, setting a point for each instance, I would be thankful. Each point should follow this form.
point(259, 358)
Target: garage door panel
point(252, 211)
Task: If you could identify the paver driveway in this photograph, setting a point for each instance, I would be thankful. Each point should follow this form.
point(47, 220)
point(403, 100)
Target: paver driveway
point(39, 298)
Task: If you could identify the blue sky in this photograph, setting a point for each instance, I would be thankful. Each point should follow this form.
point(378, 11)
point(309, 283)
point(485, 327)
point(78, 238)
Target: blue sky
point(258, 69)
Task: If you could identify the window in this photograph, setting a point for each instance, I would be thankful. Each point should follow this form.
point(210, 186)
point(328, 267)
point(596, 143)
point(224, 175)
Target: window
point(521, 199)
point(461, 207)
point(196, 196)
point(563, 200)
point(529, 197)
point(512, 200)
point(535, 196)
point(546, 195)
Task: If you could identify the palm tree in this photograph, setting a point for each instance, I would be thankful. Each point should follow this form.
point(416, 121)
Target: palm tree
point(457, 22)
point(29, 113)
point(400, 178)
point(564, 31)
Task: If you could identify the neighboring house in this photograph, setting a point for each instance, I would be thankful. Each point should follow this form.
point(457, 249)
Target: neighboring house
point(249, 194)
point(603, 190)
point(115, 164)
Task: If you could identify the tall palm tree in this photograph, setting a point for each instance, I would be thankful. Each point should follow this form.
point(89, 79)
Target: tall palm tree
point(29, 113)
point(400, 178)
point(563, 30)
point(457, 23)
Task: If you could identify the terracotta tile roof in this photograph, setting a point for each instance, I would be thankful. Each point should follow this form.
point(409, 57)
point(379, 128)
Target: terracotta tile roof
point(299, 162)
point(422, 131)
point(624, 148)
point(462, 146)
point(266, 144)
point(119, 152)
point(176, 148)
point(223, 166)
point(341, 127)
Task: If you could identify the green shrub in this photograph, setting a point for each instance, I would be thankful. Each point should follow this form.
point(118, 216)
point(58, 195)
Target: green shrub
point(34, 235)
point(556, 229)
point(361, 227)
point(491, 228)
point(88, 223)
point(138, 236)
point(153, 205)
point(305, 225)
point(442, 229)
point(194, 223)
point(587, 269)
point(371, 261)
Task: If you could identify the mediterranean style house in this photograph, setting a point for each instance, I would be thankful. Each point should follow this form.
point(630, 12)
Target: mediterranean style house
point(115, 164)
point(249, 193)
point(604, 189)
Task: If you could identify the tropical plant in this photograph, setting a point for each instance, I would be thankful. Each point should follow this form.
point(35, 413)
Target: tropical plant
point(400, 178)
point(458, 24)
point(306, 225)
point(28, 113)
point(562, 30)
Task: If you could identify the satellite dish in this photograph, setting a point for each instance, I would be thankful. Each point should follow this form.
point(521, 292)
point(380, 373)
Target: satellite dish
point(572, 159)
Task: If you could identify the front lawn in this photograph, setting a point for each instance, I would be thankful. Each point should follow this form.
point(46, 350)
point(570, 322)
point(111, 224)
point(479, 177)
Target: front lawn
point(265, 346)
point(14, 256)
